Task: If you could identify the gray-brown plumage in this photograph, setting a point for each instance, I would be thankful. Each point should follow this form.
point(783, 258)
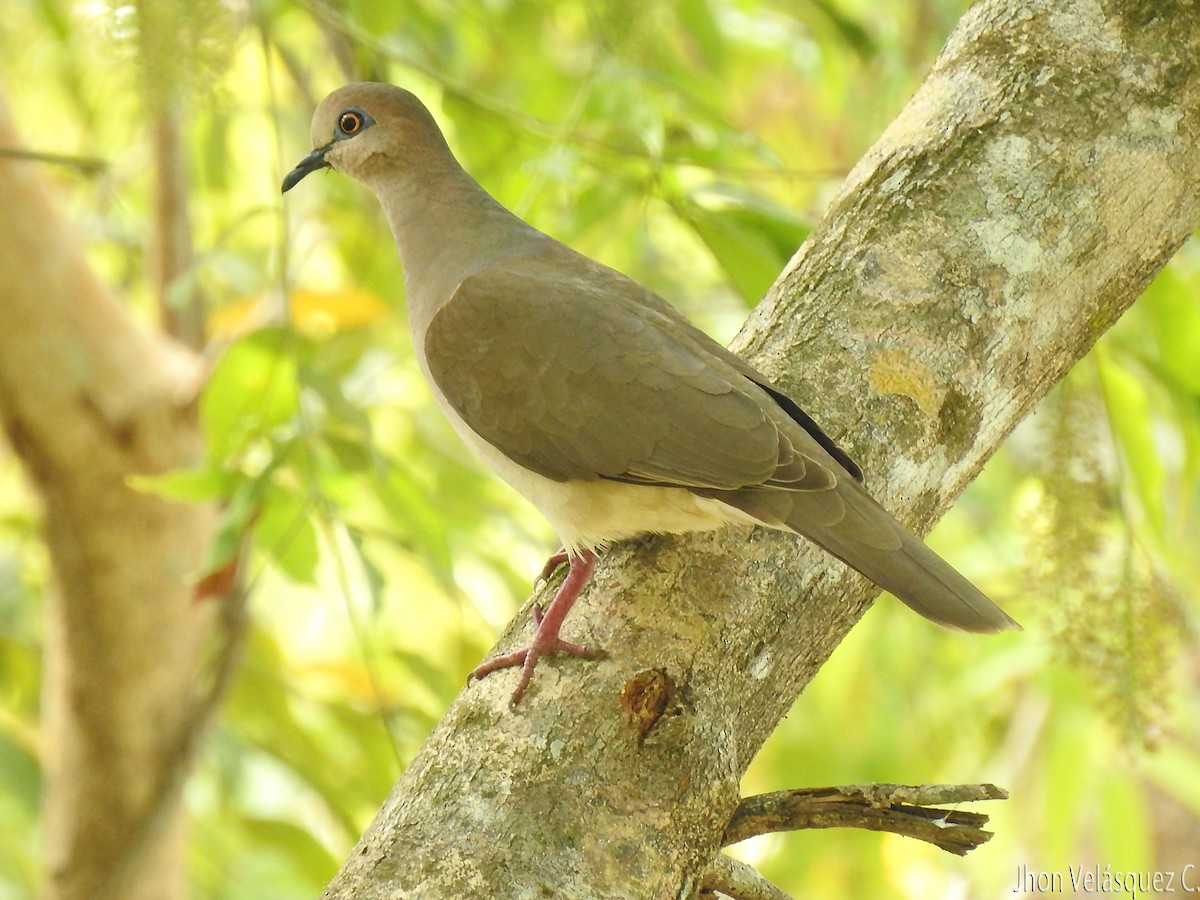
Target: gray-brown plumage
point(594, 397)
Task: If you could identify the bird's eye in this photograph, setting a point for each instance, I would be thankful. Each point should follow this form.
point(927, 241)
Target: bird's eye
point(351, 122)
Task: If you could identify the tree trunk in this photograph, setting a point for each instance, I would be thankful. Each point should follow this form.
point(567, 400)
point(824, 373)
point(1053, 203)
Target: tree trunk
point(1044, 172)
point(87, 399)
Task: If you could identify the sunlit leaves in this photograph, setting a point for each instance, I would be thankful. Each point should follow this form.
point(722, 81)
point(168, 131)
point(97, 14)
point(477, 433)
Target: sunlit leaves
point(286, 533)
point(251, 392)
point(1173, 313)
point(1133, 427)
point(1147, 372)
point(750, 238)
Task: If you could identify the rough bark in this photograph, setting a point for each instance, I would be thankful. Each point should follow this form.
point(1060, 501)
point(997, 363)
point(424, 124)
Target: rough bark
point(88, 399)
point(1041, 175)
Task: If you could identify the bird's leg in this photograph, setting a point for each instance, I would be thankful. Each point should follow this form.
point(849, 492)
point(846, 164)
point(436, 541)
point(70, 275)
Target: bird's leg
point(545, 636)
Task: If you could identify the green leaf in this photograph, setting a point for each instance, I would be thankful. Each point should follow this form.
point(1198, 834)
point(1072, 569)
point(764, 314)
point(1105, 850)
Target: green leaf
point(252, 390)
point(750, 237)
point(193, 485)
point(285, 533)
point(232, 529)
point(745, 254)
point(20, 775)
point(1132, 424)
point(1124, 823)
point(375, 580)
point(332, 393)
point(305, 853)
point(1069, 768)
point(1170, 303)
point(850, 31)
point(696, 19)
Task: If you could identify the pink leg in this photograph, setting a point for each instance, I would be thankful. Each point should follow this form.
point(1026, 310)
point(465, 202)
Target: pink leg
point(545, 637)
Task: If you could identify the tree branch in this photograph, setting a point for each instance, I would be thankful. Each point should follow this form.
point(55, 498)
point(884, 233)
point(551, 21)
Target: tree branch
point(89, 166)
point(163, 798)
point(88, 399)
point(896, 808)
point(180, 303)
point(733, 878)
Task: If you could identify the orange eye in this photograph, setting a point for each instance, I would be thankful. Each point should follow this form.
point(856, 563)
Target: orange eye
point(350, 123)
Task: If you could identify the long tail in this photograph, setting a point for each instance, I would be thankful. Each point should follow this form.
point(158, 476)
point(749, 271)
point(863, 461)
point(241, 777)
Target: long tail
point(850, 524)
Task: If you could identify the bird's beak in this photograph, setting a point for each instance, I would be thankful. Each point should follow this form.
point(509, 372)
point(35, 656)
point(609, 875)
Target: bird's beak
point(312, 162)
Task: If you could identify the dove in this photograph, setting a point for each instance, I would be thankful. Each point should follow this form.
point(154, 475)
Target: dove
point(595, 398)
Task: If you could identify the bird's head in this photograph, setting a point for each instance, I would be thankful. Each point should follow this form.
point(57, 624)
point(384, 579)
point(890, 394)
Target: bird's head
point(367, 127)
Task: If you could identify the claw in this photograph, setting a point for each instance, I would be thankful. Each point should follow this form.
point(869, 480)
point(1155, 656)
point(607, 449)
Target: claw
point(556, 559)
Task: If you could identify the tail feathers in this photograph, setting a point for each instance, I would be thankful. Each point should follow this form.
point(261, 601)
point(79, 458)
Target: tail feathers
point(921, 579)
point(867, 538)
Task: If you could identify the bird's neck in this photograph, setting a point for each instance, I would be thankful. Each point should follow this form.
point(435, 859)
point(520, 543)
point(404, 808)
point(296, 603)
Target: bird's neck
point(446, 228)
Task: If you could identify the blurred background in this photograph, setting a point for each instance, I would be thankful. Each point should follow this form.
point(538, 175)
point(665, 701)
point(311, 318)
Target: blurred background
point(691, 144)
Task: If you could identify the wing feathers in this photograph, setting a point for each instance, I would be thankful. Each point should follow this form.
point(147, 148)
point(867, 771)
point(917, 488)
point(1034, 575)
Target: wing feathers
point(591, 378)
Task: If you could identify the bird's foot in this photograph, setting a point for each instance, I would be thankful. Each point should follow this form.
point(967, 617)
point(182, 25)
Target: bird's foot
point(547, 626)
point(557, 558)
point(527, 658)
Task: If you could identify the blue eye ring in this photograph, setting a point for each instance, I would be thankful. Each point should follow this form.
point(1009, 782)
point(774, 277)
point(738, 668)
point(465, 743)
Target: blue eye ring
point(352, 121)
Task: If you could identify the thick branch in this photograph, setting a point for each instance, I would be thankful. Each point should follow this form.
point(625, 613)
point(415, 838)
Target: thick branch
point(88, 399)
point(1046, 169)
